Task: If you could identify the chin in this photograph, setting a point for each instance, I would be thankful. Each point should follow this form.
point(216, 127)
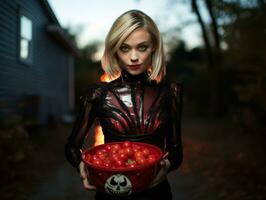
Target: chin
point(135, 72)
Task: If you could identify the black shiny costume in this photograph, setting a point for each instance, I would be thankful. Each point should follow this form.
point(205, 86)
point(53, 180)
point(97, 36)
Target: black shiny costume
point(131, 108)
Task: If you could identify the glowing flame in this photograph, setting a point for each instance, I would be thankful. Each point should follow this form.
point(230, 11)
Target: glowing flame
point(98, 136)
point(98, 133)
point(105, 78)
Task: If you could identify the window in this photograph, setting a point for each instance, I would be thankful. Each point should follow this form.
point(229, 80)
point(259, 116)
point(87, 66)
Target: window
point(25, 41)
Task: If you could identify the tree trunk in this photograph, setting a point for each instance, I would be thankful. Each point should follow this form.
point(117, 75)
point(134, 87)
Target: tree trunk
point(205, 36)
point(213, 111)
point(214, 25)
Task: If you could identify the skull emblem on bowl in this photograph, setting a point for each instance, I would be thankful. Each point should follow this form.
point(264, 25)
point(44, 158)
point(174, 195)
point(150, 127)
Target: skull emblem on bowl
point(119, 185)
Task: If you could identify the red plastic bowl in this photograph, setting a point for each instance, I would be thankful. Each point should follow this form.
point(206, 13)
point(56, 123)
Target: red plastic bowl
point(123, 181)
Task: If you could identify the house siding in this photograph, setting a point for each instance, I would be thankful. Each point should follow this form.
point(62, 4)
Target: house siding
point(47, 78)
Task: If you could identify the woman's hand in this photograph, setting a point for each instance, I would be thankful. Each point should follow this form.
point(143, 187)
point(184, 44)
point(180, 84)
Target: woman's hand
point(165, 165)
point(84, 176)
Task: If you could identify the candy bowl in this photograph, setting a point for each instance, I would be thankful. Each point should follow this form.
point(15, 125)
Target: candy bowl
point(122, 168)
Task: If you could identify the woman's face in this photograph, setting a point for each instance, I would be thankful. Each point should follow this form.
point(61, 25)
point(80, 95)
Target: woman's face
point(135, 53)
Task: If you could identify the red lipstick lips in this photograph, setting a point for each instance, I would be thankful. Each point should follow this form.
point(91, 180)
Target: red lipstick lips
point(134, 67)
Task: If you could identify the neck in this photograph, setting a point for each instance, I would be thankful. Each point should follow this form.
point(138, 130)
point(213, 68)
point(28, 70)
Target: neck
point(127, 77)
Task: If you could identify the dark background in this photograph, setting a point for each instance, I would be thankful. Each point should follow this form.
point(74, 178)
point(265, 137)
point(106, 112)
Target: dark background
point(223, 116)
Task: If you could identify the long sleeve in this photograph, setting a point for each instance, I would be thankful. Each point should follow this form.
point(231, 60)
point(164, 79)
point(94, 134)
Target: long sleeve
point(174, 140)
point(84, 120)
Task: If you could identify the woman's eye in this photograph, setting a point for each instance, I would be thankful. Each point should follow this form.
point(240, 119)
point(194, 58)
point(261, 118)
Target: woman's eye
point(143, 48)
point(124, 49)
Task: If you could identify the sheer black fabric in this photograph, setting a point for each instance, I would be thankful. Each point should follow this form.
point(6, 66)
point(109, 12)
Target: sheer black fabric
point(131, 108)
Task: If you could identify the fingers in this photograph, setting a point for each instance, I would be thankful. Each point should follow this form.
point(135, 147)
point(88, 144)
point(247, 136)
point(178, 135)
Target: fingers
point(165, 164)
point(160, 175)
point(87, 185)
point(82, 171)
point(84, 177)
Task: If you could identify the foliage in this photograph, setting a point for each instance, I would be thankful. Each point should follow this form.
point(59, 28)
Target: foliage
point(237, 68)
point(243, 26)
point(86, 70)
point(14, 145)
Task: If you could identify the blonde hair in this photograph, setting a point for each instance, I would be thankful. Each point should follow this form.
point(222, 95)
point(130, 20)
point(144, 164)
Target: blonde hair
point(124, 25)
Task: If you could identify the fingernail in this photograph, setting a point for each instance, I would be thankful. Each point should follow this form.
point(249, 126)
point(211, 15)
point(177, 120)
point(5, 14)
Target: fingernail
point(165, 155)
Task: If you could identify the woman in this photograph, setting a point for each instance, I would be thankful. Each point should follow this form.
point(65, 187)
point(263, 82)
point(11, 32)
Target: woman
point(138, 105)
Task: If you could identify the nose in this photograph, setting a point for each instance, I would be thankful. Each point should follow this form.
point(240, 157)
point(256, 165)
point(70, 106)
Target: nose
point(134, 56)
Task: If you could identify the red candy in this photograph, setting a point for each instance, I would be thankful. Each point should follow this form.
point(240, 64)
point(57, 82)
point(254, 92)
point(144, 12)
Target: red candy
point(122, 155)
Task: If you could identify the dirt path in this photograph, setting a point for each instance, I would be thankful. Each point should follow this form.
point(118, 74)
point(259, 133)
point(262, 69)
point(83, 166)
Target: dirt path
point(222, 162)
point(219, 163)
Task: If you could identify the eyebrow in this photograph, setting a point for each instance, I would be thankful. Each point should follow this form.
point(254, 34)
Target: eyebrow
point(141, 43)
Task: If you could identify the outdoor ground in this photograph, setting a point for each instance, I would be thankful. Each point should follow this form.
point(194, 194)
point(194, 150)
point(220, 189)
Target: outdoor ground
point(221, 162)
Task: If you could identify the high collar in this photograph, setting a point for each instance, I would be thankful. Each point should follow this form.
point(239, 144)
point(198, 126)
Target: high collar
point(127, 77)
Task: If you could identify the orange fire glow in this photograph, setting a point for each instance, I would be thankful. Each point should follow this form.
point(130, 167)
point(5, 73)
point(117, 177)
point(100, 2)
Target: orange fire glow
point(98, 136)
point(105, 78)
point(98, 133)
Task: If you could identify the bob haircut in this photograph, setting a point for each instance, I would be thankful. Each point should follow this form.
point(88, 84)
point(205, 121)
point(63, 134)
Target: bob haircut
point(123, 26)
